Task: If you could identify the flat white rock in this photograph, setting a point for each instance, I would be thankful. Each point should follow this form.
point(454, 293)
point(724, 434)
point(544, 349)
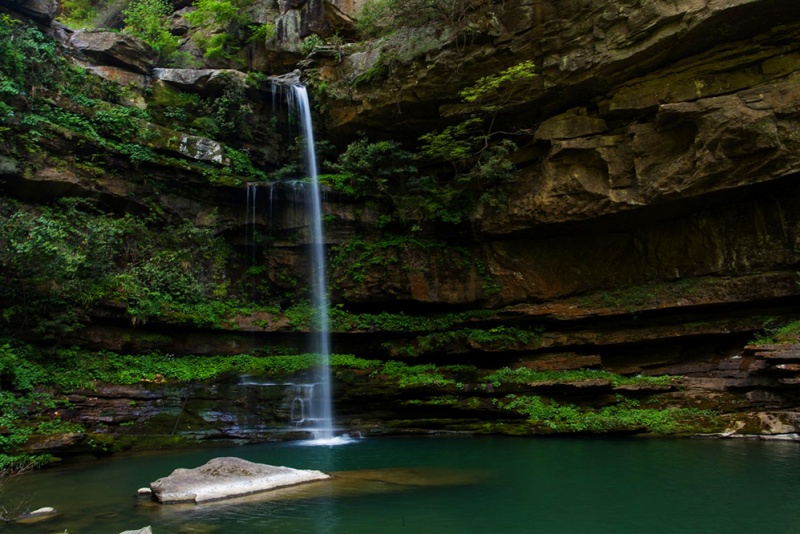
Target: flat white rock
point(227, 477)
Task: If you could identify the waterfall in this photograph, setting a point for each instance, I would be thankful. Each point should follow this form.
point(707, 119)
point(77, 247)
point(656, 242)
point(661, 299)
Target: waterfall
point(317, 249)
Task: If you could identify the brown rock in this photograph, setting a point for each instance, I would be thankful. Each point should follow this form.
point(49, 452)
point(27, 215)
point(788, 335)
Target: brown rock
point(115, 49)
point(41, 10)
point(199, 80)
point(561, 362)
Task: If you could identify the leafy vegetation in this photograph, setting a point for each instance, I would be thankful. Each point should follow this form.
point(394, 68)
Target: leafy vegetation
point(524, 375)
point(625, 415)
point(382, 17)
point(148, 20)
point(366, 167)
point(225, 27)
point(77, 13)
point(429, 375)
point(60, 260)
point(494, 339)
point(35, 381)
point(787, 333)
point(469, 146)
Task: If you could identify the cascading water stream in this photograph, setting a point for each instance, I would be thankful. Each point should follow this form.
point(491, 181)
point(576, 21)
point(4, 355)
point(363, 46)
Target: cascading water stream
point(319, 278)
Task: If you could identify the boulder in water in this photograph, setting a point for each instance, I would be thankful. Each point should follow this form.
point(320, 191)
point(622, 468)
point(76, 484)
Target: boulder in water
point(225, 478)
point(37, 515)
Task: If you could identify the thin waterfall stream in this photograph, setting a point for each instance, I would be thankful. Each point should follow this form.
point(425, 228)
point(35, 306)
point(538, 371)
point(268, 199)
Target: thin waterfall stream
point(324, 431)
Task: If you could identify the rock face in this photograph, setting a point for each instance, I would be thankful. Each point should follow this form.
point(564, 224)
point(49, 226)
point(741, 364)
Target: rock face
point(40, 10)
point(649, 227)
point(224, 478)
point(111, 48)
point(198, 80)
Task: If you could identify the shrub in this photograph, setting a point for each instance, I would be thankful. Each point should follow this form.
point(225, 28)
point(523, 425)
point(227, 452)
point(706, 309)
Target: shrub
point(147, 20)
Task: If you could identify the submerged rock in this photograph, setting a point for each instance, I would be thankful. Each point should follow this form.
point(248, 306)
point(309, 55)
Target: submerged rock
point(224, 478)
point(40, 514)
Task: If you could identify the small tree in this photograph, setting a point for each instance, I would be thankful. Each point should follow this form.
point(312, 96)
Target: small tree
point(224, 27)
point(470, 146)
point(147, 20)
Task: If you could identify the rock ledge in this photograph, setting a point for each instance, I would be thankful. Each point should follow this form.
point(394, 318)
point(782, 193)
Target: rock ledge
point(224, 478)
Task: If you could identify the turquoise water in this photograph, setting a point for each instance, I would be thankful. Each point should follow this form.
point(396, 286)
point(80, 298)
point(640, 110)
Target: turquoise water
point(489, 485)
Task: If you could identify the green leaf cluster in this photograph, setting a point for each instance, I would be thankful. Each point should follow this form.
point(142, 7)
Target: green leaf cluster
point(428, 375)
point(368, 167)
point(523, 375)
point(787, 333)
point(148, 20)
point(224, 27)
point(624, 416)
point(61, 260)
point(381, 17)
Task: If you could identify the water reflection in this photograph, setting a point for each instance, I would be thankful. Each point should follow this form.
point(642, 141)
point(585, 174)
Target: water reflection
point(453, 485)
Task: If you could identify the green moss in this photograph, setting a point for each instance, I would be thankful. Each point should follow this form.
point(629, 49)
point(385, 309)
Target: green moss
point(379, 71)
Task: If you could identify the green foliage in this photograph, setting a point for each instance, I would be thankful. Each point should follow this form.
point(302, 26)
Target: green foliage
point(479, 159)
point(626, 415)
point(242, 165)
point(217, 13)
point(227, 116)
point(62, 259)
point(344, 321)
point(77, 13)
point(353, 258)
point(455, 143)
point(265, 32)
point(379, 71)
point(74, 368)
point(523, 375)
point(787, 333)
point(497, 89)
point(148, 20)
point(19, 463)
point(311, 43)
point(29, 409)
point(366, 167)
point(429, 375)
point(27, 59)
point(225, 27)
point(21, 409)
point(467, 145)
point(495, 339)
point(382, 17)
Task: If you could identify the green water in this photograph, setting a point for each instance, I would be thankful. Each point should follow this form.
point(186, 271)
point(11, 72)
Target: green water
point(510, 485)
